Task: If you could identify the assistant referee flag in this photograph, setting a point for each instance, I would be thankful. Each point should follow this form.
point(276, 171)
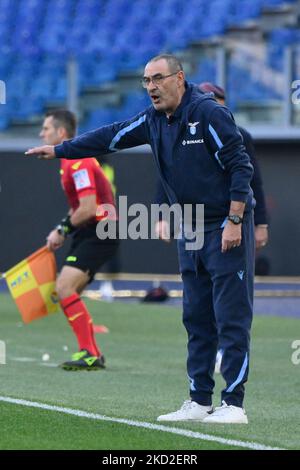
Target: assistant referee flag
point(32, 285)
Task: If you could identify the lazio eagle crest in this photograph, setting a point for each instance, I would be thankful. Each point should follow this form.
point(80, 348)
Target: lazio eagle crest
point(192, 126)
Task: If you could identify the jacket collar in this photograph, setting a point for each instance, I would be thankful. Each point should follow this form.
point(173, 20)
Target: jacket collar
point(184, 100)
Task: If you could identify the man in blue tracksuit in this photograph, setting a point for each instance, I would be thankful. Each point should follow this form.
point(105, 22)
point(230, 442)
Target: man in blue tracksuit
point(260, 211)
point(201, 160)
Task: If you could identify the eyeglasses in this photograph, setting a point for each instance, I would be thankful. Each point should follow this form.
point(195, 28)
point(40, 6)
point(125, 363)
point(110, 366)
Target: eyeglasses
point(156, 79)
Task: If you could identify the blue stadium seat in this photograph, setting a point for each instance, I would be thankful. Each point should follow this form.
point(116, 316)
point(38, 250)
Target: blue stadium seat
point(244, 10)
point(4, 122)
point(206, 71)
point(267, 3)
point(98, 118)
point(111, 36)
point(278, 40)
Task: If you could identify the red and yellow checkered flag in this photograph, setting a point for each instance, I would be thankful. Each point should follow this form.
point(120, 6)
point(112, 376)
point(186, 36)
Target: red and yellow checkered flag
point(32, 285)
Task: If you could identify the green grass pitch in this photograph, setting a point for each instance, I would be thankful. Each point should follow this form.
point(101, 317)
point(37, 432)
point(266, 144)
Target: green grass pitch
point(145, 377)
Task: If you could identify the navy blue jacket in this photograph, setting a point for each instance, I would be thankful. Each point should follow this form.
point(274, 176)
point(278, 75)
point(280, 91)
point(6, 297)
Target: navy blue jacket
point(210, 165)
point(260, 211)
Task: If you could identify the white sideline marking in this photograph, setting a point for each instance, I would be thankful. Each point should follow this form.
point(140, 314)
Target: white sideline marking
point(23, 359)
point(139, 424)
point(31, 359)
point(48, 364)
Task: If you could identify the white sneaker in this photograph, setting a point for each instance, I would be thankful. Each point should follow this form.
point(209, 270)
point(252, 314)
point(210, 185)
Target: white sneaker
point(227, 414)
point(190, 411)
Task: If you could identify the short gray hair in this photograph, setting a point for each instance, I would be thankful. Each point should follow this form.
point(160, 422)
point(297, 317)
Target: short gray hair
point(173, 62)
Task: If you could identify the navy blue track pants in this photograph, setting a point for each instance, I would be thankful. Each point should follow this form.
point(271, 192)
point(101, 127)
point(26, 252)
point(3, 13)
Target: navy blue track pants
point(217, 313)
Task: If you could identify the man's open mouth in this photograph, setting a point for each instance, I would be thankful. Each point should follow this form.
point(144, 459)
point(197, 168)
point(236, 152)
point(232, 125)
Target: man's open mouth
point(155, 98)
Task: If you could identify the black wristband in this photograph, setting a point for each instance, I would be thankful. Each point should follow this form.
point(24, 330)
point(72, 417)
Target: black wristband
point(65, 227)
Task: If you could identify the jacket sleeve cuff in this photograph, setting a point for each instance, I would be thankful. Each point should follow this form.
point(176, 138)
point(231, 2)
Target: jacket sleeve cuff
point(240, 197)
point(59, 151)
point(260, 219)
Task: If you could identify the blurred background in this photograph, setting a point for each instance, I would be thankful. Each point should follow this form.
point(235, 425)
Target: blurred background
point(89, 55)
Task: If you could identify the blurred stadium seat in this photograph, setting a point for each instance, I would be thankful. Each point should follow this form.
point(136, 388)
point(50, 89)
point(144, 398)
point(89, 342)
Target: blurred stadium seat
point(109, 37)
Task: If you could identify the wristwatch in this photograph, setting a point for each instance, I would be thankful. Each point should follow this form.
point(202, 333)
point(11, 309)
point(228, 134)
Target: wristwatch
point(61, 231)
point(235, 219)
point(65, 227)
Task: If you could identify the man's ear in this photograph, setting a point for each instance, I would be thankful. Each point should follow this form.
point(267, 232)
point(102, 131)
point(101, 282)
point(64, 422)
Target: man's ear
point(61, 131)
point(181, 77)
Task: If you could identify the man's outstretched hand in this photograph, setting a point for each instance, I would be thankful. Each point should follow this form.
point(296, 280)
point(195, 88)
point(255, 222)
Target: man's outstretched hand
point(45, 152)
